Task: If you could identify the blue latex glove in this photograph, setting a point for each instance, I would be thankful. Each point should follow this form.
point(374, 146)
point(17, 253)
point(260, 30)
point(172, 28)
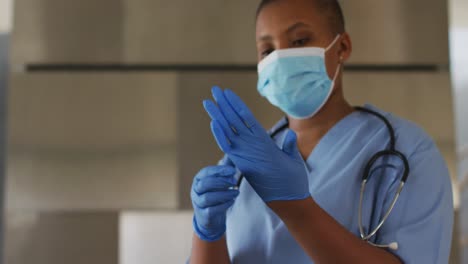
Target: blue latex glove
point(211, 197)
point(274, 173)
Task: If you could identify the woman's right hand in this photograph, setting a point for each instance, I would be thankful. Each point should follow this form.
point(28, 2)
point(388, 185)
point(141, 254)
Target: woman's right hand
point(212, 195)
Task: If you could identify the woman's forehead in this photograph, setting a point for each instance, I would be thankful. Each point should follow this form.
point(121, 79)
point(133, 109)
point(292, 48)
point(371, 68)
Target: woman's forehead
point(279, 16)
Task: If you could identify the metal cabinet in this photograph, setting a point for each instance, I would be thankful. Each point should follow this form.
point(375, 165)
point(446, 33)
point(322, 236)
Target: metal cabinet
point(424, 98)
point(136, 31)
point(211, 32)
point(92, 141)
point(390, 32)
point(51, 31)
point(62, 237)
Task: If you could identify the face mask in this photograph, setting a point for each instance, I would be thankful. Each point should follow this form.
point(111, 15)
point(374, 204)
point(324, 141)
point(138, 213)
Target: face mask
point(296, 80)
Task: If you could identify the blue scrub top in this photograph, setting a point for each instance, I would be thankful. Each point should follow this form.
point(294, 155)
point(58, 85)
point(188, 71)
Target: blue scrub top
point(421, 222)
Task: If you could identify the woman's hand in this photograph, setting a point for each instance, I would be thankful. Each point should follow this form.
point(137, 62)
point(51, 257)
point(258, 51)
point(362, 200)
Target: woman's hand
point(211, 196)
point(275, 174)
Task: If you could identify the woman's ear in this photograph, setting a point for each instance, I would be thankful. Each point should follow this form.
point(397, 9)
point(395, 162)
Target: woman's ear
point(346, 47)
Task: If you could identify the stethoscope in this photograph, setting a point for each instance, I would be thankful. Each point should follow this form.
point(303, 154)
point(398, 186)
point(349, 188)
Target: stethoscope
point(390, 152)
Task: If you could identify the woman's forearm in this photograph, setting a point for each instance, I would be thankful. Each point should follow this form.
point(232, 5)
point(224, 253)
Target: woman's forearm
point(323, 238)
point(209, 252)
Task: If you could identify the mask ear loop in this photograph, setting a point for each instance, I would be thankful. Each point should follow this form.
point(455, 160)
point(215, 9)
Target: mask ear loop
point(337, 71)
point(338, 68)
point(333, 42)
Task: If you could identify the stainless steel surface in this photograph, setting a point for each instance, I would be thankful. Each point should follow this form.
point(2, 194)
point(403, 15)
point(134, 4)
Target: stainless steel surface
point(398, 31)
point(210, 31)
point(92, 141)
point(424, 98)
point(188, 31)
point(176, 31)
point(62, 237)
point(463, 152)
point(459, 65)
point(68, 31)
point(4, 51)
point(463, 183)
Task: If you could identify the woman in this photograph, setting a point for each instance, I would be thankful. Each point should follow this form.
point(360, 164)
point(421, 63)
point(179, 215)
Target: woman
point(300, 196)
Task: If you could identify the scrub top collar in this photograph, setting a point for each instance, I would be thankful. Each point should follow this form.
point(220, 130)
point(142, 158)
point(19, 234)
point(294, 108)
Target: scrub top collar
point(340, 129)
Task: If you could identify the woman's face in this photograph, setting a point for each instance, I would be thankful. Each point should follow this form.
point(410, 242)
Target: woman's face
point(297, 24)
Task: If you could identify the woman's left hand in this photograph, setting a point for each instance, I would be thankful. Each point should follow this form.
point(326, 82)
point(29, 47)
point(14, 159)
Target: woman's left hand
point(275, 174)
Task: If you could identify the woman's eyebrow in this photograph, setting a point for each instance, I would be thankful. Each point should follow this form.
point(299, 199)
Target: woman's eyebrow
point(266, 38)
point(296, 26)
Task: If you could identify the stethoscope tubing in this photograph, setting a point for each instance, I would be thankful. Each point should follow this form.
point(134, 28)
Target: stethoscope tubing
point(391, 151)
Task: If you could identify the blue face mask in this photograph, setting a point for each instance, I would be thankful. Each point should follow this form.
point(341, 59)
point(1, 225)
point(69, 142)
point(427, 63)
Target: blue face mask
point(296, 80)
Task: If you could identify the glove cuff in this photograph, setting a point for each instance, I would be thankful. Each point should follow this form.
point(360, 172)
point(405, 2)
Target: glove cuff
point(205, 235)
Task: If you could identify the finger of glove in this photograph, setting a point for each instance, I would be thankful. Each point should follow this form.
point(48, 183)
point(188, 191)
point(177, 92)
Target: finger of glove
point(211, 184)
point(224, 143)
point(215, 114)
point(214, 211)
point(213, 199)
point(290, 144)
point(238, 175)
point(226, 161)
point(231, 116)
point(215, 171)
point(243, 111)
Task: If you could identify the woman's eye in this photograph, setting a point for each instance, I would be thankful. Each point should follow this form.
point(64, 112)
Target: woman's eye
point(266, 52)
point(301, 42)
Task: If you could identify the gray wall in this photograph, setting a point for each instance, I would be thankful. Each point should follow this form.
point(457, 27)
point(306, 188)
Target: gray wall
point(211, 31)
point(92, 141)
point(459, 65)
point(77, 237)
point(4, 48)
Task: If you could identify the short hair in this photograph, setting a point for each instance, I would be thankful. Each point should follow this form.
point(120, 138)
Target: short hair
point(331, 8)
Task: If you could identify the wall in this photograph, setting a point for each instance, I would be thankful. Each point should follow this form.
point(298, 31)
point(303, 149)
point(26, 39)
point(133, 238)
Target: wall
point(5, 28)
point(459, 66)
point(62, 237)
point(92, 141)
point(4, 44)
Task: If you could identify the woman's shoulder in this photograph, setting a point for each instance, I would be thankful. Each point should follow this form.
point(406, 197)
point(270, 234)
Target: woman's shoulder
point(410, 137)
